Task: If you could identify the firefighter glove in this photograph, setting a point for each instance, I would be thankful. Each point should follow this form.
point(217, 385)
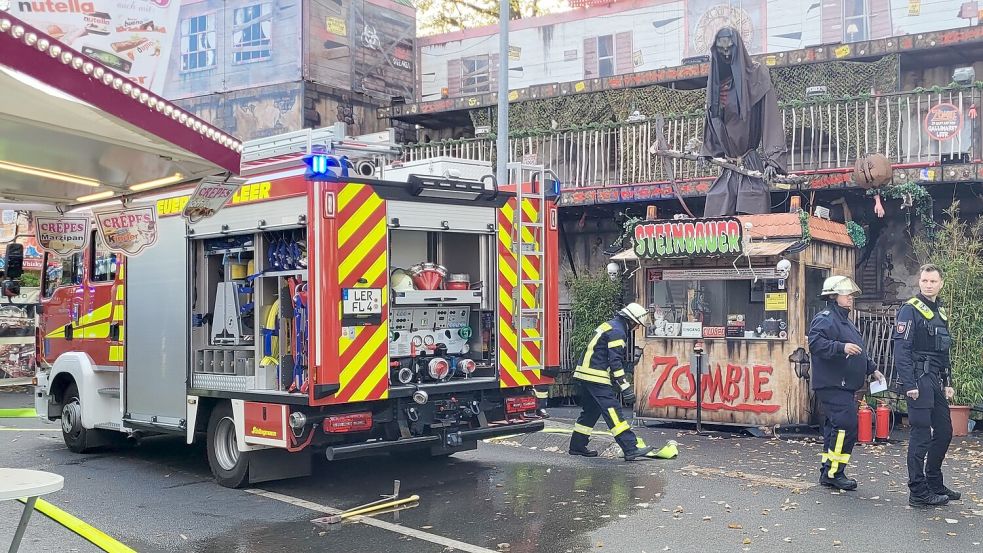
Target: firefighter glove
point(629, 396)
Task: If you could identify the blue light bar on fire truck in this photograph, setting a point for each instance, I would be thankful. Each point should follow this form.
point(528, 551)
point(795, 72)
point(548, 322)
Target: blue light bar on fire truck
point(326, 166)
point(452, 189)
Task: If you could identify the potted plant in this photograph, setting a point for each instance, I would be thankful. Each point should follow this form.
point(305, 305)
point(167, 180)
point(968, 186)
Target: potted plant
point(957, 249)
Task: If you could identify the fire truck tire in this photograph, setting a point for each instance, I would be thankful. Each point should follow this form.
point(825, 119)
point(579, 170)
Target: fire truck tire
point(229, 465)
point(78, 438)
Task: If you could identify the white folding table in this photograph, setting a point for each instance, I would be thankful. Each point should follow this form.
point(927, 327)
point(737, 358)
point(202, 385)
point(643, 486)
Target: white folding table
point(18, 483)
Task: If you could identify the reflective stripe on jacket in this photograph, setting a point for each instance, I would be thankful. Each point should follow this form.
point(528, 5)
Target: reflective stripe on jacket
point(604, 360)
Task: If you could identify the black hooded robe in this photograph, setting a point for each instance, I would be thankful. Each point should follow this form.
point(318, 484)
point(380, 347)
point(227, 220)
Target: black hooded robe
point(746, 119)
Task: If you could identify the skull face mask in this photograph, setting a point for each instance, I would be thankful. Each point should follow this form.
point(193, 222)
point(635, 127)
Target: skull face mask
point(725, 47)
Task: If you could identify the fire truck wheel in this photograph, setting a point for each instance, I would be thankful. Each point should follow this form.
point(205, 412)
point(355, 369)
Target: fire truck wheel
point(76, 436)
point(229, 465)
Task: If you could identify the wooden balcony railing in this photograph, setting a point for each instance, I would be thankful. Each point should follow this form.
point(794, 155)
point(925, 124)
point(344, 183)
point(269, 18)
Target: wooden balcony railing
point(821, 134)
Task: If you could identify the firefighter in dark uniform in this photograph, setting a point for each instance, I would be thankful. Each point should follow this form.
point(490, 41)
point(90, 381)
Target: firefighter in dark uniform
point(840, 367)
point(602, 368)
point(921, 357)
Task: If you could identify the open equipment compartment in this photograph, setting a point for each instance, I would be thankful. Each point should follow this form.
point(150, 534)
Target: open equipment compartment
point(442, 319)
point(243, 337)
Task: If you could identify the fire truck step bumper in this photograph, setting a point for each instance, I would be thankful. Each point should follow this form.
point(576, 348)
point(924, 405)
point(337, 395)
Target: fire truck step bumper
point(358, 450)
point(501, 430)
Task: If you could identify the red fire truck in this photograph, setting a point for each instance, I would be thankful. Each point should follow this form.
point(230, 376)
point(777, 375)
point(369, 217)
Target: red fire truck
point(342, 310)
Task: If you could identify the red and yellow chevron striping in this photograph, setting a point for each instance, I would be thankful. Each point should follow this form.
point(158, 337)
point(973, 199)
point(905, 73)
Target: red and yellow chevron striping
point(512, 373)
point(363, 357)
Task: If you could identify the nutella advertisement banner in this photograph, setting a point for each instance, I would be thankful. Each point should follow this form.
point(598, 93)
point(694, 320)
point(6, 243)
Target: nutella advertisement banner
point(128, 231)
point(132, 37)
point(62, 235)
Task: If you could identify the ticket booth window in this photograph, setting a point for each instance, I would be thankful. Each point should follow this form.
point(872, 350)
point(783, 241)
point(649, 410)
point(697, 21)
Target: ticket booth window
point(719, 308)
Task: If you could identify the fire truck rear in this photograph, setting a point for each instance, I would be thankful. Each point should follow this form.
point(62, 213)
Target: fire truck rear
point(336, 305)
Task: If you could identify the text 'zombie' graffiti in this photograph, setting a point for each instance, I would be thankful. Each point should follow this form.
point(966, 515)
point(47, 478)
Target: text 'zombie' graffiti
point(724, 388)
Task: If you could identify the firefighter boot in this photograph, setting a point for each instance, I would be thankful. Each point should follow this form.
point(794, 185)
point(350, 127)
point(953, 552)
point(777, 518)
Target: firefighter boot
point(838, 481)
point(928, 500)
point(583, 452)
point(638, 453)
point(951, 494)
point(578, 442)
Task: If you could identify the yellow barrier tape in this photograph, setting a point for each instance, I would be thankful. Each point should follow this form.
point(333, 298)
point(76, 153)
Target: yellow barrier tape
point(23, 413)
point(14, 429)
point(95, 536)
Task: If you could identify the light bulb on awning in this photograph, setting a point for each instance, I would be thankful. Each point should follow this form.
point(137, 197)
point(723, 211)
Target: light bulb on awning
point(157, 182)
point(96, 196)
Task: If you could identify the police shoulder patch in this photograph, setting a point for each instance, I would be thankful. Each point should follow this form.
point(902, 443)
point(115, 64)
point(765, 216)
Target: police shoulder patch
point(902, 327)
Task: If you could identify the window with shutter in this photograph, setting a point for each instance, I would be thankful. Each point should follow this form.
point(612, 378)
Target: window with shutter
point(855, 21)
point(475, 74)
point(623, 53)
point(590, 58)
point(455, 71)
point(605, 56)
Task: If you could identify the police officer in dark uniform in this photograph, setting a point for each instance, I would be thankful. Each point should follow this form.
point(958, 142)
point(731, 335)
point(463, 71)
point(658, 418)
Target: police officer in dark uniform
point(840, 367)
point(921, 357)
point(602, 368)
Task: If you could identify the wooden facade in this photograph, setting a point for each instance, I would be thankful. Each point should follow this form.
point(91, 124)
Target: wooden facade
point(747, 381)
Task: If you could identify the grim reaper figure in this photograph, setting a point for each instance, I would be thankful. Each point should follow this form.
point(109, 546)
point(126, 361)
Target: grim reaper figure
point(743, 124)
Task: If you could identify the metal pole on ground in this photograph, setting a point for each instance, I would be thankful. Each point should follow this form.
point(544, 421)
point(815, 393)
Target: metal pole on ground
point(696, 365)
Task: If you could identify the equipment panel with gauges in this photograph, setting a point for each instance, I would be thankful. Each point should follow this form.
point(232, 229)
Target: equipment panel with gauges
point(431, 343)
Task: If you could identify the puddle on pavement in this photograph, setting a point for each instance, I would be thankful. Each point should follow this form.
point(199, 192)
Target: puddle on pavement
point(534, 507)
point(537, 508)
point(304, 537)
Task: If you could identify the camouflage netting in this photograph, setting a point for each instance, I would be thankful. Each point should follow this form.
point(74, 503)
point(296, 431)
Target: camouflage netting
point(842, 78)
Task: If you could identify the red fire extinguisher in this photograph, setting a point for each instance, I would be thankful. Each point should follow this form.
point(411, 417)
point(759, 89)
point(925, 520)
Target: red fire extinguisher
point(882, 422)
point(865, 420)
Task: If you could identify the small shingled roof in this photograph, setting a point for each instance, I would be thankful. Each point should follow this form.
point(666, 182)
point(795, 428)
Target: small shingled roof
point(788, 225)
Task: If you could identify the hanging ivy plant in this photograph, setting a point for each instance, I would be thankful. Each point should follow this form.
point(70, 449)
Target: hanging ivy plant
point(916, 197)
point(857, 234)
point(804, 222)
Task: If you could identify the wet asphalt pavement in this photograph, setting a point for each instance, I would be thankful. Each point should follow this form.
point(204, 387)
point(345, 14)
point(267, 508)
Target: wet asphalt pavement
point(725, 492)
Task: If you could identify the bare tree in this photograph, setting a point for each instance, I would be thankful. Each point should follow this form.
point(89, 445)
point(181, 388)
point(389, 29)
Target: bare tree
point(444, 16)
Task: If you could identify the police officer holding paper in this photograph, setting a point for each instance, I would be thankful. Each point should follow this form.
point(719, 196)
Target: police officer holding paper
point(921, 357)
point(841, 367)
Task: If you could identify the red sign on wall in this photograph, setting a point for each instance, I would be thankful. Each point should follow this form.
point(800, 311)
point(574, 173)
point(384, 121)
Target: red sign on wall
point(725, 388)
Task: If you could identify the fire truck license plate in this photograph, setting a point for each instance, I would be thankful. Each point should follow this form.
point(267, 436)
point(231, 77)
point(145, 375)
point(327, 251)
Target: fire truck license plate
point(362, 301)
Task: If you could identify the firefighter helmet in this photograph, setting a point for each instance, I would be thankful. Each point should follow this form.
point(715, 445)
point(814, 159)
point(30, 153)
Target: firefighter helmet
point(400, 281)
point(635, 313)
point(839, 285)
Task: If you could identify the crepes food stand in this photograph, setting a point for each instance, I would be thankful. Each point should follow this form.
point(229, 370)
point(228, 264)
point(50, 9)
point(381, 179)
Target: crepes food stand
point(75, 132)
point(77, 135)
point(746, 288)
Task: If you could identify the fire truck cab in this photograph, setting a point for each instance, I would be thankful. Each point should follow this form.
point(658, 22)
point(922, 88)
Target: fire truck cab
point(336, 305)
